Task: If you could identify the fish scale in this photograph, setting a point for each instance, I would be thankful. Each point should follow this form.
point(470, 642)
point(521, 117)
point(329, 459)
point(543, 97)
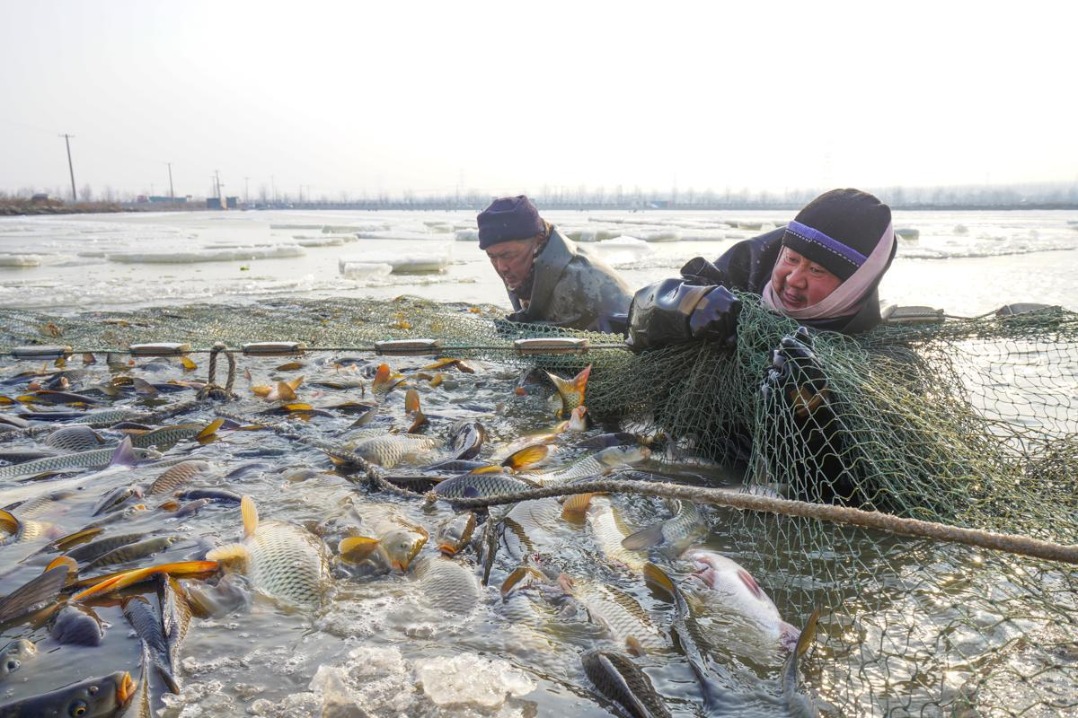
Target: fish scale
point(447, 585)
point(391, 450)
point(609, 532)
point(286, 562)
point(621, 614)
point(97, 458)
point(593, 465)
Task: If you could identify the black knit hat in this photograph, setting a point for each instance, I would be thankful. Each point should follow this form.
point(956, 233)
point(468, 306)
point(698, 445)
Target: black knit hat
point(838, 230)
point(508, 218)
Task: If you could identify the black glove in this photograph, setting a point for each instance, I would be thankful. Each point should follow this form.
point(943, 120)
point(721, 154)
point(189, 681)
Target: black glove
point(796, 374)
point(673, 312)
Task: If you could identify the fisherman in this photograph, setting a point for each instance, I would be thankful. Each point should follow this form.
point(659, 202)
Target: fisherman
point(549, 279)
point(822, 269)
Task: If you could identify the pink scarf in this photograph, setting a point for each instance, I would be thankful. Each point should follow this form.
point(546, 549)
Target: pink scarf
point(847, 298)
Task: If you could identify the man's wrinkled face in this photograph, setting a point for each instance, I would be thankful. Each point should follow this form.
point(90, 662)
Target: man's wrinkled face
point(513, 260)
point(799, 282)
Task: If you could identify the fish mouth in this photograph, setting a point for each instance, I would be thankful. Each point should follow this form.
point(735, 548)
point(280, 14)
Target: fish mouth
point(125, 689)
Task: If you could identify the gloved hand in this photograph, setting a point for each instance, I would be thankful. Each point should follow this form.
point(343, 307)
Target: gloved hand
point(673, 312)
point(796, 374)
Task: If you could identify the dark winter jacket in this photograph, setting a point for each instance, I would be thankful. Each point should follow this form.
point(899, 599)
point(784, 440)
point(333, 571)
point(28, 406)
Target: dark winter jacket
point(571, 288)
point(662, 313)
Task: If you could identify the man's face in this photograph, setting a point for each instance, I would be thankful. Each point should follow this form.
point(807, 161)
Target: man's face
point(799, 282)
point(513, 260)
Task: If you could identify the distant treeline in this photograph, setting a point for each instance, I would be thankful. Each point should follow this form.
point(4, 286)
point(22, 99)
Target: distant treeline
point(1041, 196)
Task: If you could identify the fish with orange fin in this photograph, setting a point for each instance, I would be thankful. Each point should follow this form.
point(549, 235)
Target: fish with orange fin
point(455, 533)
point(99, 586)
point(284, 390)
point(570, 391)
point(577, 422)
point(284, 561)
point(413, 409)
point(385, 379)
point(93, 698)
point(385, 537)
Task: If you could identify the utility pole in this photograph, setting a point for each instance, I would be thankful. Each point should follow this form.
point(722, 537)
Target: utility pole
point(70, 167)
point(171, 191)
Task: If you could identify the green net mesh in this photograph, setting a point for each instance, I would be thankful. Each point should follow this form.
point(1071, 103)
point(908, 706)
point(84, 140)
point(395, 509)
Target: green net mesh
point(970, 423)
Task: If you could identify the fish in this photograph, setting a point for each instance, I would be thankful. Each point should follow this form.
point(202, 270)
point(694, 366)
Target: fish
point(609, 531)
point(674, 535)
point(122, 455)
point(14, 654)
point(385, 379)
point(481, 485)
point(37, 593)
point(283, 391)
point(620, 680)
point(93, 698)
point(392, 449)
point(733, 590)
point(115, 498)
point(166, 437)
point(531, 528)
point(22, 455)
point(220, 496)
point(394, 540)
point(177, 475)
point(453, 535)
point(97, 586)
point(88, 552)
point(447, 585)
point(283, 561)
point(134, 551)
point(161, 631)
point(597, 464)
point(570, 391)
point(621, 615)
point(466, 439)
point(76, 625)
point(52, 396)
point(576, 423)
point(720, 701)
point(77, 437)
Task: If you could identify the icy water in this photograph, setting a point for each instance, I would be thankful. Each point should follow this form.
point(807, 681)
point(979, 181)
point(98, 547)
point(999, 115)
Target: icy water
point(964, 262)
point(912, 627)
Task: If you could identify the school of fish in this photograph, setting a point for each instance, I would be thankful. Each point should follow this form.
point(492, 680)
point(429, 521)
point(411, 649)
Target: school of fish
point(280, 551)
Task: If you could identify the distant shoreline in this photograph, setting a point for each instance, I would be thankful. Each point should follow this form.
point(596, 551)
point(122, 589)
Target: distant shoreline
point(24, 207)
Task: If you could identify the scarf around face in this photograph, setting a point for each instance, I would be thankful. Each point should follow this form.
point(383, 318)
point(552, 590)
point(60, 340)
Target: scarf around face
point(849, 296)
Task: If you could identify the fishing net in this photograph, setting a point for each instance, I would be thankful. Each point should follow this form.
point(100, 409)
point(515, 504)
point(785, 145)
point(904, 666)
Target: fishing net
point(969, 423)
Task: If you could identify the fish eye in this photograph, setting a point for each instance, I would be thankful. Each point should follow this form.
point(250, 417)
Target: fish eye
point(12, 665)
point(78, 708)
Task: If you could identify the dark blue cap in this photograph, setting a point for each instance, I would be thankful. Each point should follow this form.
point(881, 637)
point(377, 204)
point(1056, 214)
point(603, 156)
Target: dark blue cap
point(509, 218)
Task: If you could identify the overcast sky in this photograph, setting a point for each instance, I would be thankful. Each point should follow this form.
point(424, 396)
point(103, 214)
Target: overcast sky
point(507, 97)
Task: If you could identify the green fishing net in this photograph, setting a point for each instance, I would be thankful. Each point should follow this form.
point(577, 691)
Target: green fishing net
point(968, 422)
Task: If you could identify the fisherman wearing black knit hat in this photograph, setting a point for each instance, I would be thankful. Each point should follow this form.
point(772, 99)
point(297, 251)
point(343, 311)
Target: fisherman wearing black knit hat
point(548, 278)
point(822, 269)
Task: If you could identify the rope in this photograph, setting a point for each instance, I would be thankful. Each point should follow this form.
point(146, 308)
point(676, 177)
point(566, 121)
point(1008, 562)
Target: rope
point(211, 389)
point(1022, 545)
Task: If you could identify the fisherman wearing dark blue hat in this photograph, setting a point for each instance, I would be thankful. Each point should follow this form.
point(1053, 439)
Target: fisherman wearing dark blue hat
point(549, 279)
point(822, 269)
